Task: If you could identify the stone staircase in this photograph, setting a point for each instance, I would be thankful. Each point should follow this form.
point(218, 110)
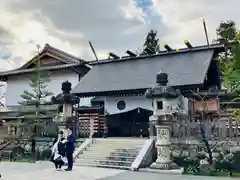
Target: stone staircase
point(117, 153)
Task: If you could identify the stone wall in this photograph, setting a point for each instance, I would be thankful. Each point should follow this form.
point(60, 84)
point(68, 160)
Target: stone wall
point(21, 149)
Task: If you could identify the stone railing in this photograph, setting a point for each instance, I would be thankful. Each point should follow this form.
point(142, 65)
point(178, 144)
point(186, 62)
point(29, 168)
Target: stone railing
point(144, 155)
point(82, 147)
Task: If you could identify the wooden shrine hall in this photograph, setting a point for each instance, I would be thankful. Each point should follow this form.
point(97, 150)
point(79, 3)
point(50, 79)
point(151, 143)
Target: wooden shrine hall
point(117, 86)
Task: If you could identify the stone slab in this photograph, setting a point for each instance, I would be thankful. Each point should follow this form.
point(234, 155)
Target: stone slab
point(171, 171)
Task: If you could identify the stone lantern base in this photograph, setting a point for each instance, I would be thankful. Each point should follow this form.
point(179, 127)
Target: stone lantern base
point(163, 145)
point(164, 166)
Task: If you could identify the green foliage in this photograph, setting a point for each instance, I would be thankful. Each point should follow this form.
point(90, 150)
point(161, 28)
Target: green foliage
point(227, 30)
point(151, 45)
point(31, 100)
point(230, 63)
point(45, 154)
point(39, 88)
point(230, 70)
point(226, 166)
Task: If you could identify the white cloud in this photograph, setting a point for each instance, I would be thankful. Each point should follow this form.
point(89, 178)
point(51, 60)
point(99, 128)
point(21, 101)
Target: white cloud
point(27, 34)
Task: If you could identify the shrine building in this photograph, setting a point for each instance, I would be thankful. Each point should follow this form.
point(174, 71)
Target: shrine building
point(117, 86)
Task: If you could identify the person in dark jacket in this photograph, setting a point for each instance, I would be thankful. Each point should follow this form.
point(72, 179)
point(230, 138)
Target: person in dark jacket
point(70, 147)
point(59, 151)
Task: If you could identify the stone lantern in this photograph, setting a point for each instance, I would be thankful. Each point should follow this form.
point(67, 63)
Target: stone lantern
point(165, 100)
point(67, 100)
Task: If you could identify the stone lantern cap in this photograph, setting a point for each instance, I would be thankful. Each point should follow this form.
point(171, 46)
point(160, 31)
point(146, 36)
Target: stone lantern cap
point(66, 97)
point(162, 90)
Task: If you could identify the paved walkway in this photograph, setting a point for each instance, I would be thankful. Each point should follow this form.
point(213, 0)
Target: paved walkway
point(45, 171)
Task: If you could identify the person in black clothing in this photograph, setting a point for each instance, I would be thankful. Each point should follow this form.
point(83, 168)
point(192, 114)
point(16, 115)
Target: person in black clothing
point(59, 151)
point(70, 147)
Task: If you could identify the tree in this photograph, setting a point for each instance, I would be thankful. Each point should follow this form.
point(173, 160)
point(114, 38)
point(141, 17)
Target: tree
point(38, 96)
point(230, 69)
point(230, 64)
point(227, 30)
point(208, 129)
point(39, 88)
point(151, 45)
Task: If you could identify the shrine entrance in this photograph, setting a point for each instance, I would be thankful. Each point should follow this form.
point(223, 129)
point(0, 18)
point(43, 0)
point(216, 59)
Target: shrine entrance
point(133, 123)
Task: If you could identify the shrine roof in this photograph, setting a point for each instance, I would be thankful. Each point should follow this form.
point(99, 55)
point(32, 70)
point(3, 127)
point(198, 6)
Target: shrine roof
point(185, 67)
point(61, 60)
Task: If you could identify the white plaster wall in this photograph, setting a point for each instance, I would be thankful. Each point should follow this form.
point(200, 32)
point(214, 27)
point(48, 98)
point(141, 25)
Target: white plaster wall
point(17, 84)
point(85, 102)
point(3, 88)
point(132, 102)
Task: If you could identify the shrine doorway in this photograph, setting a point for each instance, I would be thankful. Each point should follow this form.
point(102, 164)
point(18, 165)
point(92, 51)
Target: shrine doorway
point(134, 123)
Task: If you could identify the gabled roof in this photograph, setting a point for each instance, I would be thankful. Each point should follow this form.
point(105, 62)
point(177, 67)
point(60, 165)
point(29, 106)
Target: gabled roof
point(56, 53)
point(66, 61)
point(185, 68)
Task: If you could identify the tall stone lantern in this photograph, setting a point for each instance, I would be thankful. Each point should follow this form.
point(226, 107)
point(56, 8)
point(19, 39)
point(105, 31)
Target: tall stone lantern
point(67, 100)
point(164, 100)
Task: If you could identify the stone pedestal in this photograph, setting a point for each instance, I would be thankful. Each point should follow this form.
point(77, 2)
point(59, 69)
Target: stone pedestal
point(67, 110)
point(163, 148)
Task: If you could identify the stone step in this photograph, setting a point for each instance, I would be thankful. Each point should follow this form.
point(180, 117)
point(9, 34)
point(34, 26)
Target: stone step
point(103, 166)
point(99, 161)
point(119, 146)
point(119, 154)
point(111, 153)
point(121, 139)
point(115, 163)
point(119, 143)
point(114, 150)
point(130, 159)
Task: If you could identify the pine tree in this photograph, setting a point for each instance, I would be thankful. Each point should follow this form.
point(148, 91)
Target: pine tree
point(31, 101)
point(151, 45)
point(39, 88)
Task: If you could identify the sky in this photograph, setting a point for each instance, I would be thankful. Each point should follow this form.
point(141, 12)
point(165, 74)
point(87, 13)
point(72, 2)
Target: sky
point(111, 25)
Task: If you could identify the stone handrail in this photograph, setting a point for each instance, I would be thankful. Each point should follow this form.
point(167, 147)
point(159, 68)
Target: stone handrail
point(142, 155)
point(82, 147)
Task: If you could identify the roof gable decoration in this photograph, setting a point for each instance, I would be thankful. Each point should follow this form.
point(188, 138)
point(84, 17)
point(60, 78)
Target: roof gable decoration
point(52, 56)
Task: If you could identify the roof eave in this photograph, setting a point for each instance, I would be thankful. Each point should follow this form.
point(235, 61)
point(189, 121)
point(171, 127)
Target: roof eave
point(6, 73)
point(133, 92)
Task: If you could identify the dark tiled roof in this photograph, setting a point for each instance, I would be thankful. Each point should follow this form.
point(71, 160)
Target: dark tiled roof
point(183, 68)
point(63, 56)
point(21, 71)
point(68, 59)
